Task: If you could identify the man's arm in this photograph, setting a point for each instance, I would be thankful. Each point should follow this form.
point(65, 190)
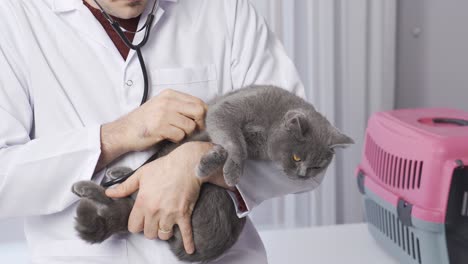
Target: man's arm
point(169, 116)
point(37, 173)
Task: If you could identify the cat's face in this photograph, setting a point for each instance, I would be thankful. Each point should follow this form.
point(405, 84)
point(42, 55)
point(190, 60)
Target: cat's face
point(304, 145)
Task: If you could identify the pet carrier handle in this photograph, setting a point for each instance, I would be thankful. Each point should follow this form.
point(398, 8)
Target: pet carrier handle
point(459, 122)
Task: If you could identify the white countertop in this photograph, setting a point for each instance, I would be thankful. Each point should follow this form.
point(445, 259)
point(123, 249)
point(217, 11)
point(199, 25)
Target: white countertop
point(14, 252)
point(342, 244)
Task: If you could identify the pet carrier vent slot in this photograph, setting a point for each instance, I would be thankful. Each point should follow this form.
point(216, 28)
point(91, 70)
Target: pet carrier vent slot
point(393, 170)
point(390, 226)
point(464, 211)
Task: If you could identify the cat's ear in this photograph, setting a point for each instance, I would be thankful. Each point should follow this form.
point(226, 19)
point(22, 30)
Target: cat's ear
point(296, 123)
point(339, 140)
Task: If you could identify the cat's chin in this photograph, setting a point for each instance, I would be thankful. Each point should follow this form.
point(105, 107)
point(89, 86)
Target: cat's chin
point(301, 178)
point(312, 181)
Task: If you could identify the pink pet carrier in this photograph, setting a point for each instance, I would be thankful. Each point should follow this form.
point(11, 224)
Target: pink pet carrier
point(415, 184)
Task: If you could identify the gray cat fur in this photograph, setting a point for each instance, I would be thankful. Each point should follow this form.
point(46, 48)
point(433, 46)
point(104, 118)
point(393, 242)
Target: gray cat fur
point(258, 123)
point(270, 123)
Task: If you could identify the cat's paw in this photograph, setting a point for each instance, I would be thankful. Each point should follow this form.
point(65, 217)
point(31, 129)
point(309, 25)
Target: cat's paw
point(85, 188)
point(232, 172)
point(89, 189)
point(211, 161)
point(91, 226)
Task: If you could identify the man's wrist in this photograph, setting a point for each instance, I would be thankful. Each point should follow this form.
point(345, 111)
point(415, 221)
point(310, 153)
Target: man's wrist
point(114, 143)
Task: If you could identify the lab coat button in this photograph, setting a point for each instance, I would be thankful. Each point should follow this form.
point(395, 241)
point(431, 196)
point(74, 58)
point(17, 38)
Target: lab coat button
point(129, 83)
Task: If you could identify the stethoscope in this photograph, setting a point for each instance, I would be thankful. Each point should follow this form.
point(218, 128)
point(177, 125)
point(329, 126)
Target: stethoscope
point(120, 31)
point(119, 175)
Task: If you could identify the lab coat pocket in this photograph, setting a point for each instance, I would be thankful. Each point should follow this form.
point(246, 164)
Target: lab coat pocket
point(199, 81)
point(77, 251)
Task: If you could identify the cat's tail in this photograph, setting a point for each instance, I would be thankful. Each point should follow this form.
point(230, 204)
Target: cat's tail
point(90, 225)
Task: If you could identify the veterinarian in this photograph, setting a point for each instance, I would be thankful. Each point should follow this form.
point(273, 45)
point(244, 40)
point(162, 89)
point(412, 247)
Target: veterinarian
point(70, 93)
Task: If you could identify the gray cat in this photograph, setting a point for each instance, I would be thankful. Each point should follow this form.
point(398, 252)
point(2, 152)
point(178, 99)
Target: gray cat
point(257, 123)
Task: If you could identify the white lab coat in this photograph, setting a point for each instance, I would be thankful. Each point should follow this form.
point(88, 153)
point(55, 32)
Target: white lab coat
point(61, 77)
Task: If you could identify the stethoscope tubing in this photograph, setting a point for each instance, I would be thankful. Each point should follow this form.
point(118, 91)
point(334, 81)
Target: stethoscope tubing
point(123, 178)
point(116, 26)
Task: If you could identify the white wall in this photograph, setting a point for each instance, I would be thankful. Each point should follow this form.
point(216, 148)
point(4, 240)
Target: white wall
point(432, 67)
point(345, 53)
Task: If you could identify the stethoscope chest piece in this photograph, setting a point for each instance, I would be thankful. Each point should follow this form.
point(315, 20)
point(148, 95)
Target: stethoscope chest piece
point(117, 173)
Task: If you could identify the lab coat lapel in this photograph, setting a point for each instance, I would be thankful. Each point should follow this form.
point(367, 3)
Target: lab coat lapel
point(85, 22)
point(81, 19)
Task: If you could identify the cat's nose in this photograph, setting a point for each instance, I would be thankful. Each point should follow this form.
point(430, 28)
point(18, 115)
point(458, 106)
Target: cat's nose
point(302, 172)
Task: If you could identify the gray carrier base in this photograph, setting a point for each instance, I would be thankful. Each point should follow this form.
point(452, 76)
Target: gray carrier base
point(411, 241)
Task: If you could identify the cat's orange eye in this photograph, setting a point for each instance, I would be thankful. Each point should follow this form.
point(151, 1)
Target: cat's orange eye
point(296, 158)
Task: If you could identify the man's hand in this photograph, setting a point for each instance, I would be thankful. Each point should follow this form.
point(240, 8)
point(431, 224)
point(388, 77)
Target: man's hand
point(171, 115)
point(168, 191)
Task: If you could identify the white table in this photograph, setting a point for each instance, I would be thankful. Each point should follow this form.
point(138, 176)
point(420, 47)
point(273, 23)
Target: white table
point(14, 252)
point(340, 244)
point(343, 244)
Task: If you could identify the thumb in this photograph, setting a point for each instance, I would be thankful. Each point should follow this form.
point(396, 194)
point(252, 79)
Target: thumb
point(126, 188)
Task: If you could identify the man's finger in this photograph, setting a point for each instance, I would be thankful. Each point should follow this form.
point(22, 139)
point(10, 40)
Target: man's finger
point(183, 96)
point(165, 230)
point(183, 122)
point(136, 221)
point(126, 188)
point(193, 111)
point(185, 227)
point(151, 227)
point(173, 134)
